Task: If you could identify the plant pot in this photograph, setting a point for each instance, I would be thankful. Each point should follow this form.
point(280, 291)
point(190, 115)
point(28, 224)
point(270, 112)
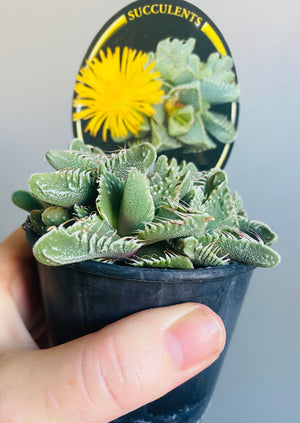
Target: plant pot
point(84, 297)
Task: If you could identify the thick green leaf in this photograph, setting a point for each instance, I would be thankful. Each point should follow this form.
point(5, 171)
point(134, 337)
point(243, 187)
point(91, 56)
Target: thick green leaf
point(249, 252)
point(26, 201)
point(64, 188)
point(55, 216)
point(109, 198)
point(72, 159)
point(86, 239)
point(137, 205)
point(240, 247)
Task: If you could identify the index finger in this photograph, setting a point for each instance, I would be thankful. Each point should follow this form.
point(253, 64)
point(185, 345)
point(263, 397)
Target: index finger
point(16, 246)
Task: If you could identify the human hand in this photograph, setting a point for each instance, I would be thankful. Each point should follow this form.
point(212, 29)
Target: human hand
point(99, 377)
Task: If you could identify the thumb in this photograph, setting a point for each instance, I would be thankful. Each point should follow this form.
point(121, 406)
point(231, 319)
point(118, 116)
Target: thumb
point(132, 362)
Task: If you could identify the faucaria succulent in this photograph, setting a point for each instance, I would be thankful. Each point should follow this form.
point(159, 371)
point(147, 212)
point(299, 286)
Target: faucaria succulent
point(172, 107)
point(192, 88)
point(132, 207)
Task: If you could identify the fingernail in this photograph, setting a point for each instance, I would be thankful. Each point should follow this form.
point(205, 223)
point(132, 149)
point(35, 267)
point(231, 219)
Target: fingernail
point(194, 338)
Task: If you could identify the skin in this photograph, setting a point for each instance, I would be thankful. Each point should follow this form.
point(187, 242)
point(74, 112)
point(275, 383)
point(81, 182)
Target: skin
point(99, 377)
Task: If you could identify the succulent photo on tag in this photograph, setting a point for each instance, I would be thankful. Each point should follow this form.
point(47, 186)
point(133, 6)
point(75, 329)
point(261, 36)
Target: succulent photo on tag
point(159, 73)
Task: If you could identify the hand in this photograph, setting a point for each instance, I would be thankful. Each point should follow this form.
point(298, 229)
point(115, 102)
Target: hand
point(99, 377)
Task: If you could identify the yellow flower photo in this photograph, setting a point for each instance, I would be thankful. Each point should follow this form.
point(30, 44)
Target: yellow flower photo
point(116, 92)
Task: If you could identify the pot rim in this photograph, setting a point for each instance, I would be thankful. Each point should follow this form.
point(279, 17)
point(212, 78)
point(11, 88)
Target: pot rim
point(144, 274)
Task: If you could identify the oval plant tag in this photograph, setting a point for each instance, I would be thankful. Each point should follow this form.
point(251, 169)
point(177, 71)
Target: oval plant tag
point(159, 72)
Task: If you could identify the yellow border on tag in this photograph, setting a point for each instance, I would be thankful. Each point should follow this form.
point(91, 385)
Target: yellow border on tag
point(208, 30)
point(214, 38)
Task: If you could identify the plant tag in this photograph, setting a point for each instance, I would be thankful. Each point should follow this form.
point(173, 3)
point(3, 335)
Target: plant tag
point(161, 72)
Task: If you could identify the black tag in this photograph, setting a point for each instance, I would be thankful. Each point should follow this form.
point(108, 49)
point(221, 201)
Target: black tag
point(159, 72)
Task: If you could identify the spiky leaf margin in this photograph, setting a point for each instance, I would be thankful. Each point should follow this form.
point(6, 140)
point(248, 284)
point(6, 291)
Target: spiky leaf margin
point(86, 239)
point(199, 254)
point(169, 260)
point(65, 187)
point(169, 229)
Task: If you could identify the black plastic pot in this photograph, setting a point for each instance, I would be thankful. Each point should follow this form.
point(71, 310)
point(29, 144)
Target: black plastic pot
point(84, 297)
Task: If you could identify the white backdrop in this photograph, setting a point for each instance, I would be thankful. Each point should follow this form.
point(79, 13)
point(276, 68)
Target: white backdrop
point(42, 45)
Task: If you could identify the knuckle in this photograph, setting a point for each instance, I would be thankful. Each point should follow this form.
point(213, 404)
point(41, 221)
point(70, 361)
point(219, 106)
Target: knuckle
point(118, 372)
point(86, 378)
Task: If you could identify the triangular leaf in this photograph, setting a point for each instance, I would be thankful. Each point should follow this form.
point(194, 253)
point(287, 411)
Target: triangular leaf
point(108, 202)
point(137, 205)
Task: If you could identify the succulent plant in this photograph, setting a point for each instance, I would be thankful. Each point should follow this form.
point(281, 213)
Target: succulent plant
point(172, 106)
point(132, 207)
point(192, 88)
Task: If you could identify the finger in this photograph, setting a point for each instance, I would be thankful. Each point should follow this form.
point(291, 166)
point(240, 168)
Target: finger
point(97, 378)
point(18, 279)
point(16, 246)
point(14, 334)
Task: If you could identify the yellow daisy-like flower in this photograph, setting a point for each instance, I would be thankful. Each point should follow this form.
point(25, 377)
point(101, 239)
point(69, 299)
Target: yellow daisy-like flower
point(116, 92)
